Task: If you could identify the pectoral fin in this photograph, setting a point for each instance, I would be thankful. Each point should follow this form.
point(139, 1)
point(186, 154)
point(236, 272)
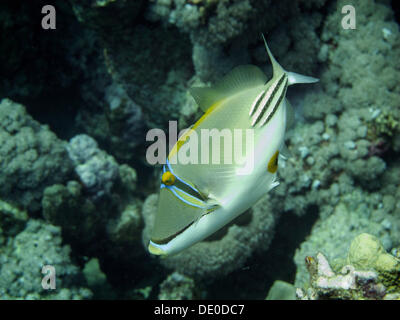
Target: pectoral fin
point(240, 78)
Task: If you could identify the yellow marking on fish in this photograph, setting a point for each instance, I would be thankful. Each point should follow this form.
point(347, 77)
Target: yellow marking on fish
point(168, 178)
point(185, 136)
point(155, 250)
point(273, 163)
point(190, 199)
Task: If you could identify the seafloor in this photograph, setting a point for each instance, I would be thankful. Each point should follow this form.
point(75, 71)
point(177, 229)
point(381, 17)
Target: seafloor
point(76, 191)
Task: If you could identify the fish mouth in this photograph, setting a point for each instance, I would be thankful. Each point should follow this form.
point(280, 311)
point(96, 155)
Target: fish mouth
point(155, 249)
point(156, 246)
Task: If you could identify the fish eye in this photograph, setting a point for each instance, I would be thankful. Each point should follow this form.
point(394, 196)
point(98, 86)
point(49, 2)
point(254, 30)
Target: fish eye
point(168, 178)
point(273, 163)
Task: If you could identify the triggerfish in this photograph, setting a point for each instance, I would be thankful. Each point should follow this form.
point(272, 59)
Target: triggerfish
point(198, 198)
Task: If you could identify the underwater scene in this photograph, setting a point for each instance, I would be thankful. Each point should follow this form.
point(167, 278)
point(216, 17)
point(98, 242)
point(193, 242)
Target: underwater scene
point(200, 150)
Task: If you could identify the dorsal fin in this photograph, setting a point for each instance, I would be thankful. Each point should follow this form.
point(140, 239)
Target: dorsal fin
point(292, 76)
point(276, 67)
point(240, 78)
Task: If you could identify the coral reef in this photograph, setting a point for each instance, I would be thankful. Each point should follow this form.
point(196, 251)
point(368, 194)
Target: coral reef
point(366, 252)
point(12, 220)
point(75, 183)
point(337, 164)
point(96, 170)
point(102, 205)
point(177, 287)
point(67, 207)
point(22, 259)
point(139, 74)
point(110, 116)
point(193, 36)
point(125, 122)
point(281, 290)
point(32, 157)
point(350, 217)
point(369, 273)
point(354, 78)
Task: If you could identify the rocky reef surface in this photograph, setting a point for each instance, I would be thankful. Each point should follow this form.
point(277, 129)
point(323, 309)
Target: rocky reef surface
point(76, 190)
point(368, 272)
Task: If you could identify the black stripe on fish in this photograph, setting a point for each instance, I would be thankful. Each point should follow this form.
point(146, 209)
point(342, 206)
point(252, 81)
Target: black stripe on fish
point(185, 188)
point(272, 110)
point(264, 106)
point(256, 101)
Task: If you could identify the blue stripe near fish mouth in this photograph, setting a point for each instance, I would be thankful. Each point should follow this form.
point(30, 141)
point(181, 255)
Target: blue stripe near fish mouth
point(174, 190)
point(184, 182)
